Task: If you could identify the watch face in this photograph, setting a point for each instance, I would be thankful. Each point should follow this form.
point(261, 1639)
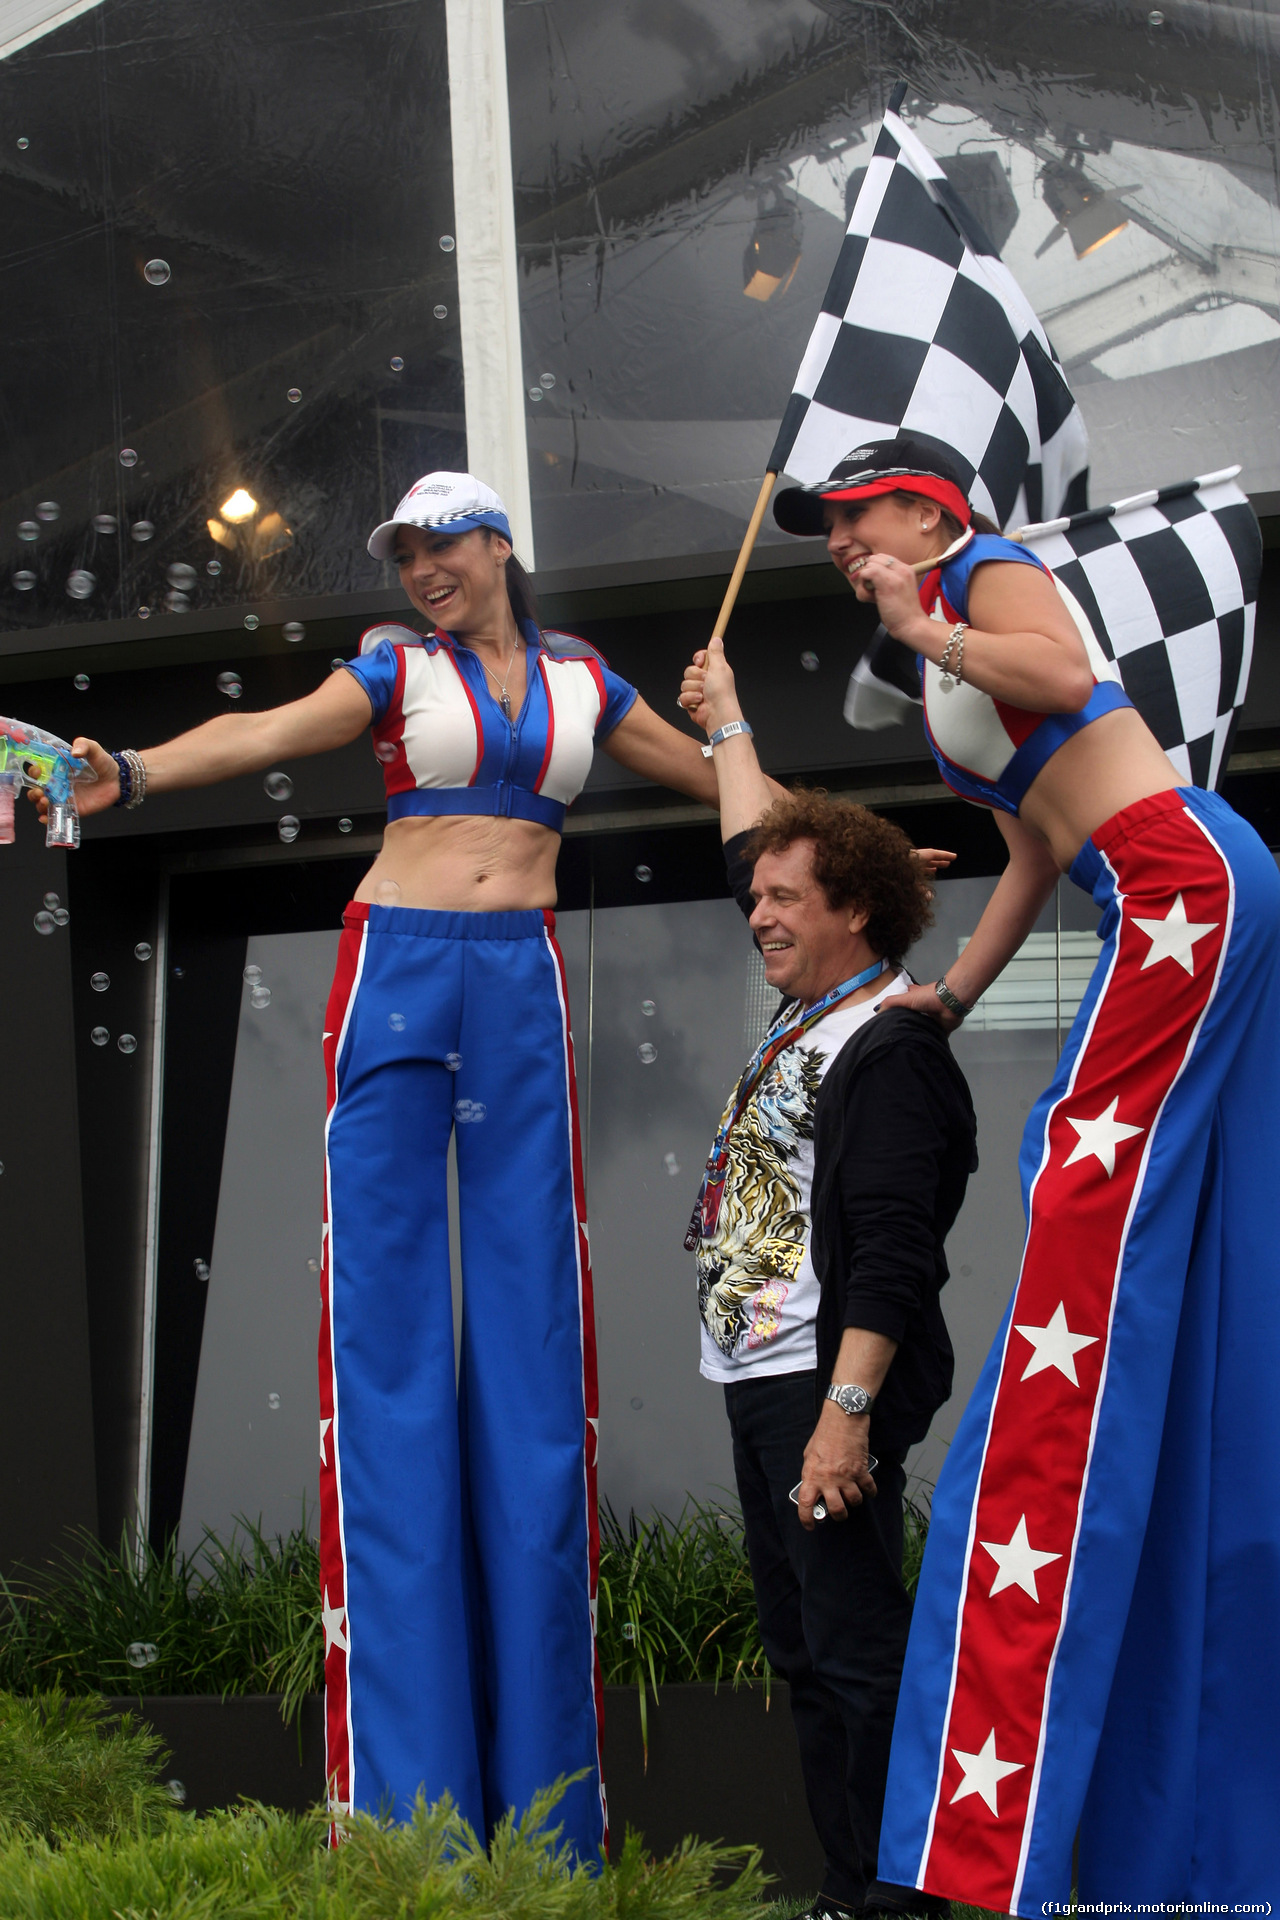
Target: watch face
point(853, 1399)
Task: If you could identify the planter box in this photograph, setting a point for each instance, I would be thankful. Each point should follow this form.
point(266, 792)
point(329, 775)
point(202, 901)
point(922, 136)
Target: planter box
point(722, 1765)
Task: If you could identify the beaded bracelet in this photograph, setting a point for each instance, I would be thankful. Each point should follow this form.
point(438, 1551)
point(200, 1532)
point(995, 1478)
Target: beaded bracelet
point(133, 778)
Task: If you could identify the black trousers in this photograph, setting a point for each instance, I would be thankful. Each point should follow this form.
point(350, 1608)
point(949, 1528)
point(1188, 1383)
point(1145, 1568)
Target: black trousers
point(834, 1616)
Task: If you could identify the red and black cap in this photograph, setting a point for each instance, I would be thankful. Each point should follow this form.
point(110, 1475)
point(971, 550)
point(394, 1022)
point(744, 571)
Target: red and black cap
point(881, 466)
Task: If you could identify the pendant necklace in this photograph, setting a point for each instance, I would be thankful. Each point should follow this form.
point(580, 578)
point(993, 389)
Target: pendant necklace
point(504, 699)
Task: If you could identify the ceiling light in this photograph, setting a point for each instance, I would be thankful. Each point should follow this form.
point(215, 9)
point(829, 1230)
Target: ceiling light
point(773, 251)
point(241, 506)
point(1086, 213)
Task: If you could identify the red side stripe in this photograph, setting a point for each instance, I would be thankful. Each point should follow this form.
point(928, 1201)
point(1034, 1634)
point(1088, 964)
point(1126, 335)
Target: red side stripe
point(388, 735)
point(551, 725)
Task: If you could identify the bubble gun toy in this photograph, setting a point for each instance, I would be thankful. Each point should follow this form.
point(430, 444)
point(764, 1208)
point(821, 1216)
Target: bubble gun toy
point(29, 757)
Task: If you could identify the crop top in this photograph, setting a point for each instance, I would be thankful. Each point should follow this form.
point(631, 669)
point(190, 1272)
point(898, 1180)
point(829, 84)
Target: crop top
point(987, 750)
point(445, 745)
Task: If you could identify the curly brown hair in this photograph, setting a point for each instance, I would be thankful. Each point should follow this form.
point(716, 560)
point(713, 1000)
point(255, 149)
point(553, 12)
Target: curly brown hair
point(859, 861)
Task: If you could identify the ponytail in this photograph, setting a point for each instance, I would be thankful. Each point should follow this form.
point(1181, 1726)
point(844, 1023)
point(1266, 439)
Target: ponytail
point(520, 594)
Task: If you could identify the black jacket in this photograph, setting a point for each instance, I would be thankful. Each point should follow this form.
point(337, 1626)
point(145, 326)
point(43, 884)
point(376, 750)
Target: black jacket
point(894, 1145)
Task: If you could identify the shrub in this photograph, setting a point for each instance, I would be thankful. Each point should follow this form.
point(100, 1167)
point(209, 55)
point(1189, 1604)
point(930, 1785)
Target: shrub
point(67, 1770)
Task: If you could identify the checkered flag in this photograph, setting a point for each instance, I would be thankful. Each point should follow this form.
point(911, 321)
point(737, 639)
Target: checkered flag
point(925, 331)
point(1168, 581)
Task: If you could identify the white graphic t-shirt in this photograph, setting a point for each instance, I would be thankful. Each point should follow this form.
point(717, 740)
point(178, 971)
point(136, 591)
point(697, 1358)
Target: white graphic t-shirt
point(757, 1290)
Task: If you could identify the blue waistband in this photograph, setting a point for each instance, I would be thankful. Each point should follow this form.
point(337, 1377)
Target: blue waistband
point(501, 801)
point(434, 923)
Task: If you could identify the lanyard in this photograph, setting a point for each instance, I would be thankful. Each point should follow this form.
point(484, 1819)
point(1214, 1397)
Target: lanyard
point(706, 1210)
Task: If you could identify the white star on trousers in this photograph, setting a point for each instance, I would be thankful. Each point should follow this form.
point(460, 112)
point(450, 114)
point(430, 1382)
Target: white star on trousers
point(1055, 1345)
point(334, 1633)
point(983, 1773)
point(1100, 1137)
point(1173, 937)
point(1018, 1562)
point(324, 1428)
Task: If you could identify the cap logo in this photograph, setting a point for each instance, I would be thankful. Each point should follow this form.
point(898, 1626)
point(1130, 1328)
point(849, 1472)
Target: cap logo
point(434, 488)
point(860, 453)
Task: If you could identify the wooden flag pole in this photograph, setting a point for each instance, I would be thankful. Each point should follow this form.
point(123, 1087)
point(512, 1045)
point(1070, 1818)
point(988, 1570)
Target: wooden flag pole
point(748, 542)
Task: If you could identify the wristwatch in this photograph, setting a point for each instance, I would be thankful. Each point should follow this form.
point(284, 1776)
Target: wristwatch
point(850, 1400)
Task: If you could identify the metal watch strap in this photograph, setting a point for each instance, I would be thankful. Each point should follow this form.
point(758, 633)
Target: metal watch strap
point(951, 1001)
point(846, 1392)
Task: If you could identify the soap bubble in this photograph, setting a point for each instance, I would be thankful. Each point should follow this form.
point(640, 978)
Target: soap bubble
point(344, 825)
point(252, 621)
point(288, 827)
point(313, 1266)
point(397, 364)
point(644, 875)
point(273, 1401)
point(81, 683)
point(335, 663)
point(647, 1053)
point(202, 1270)
point(278, 786)
point(177, 602)
point(51, 900)
point(671, 1164)
point(294, 631)
point(260, 997)
point(176, 1791)
point(178, 972)
point(105, 523)
point(144, 613)
point(24, 580)
point(28, 530)
point(447, 243)
point(128, 458)
point(386, 751)
point(809, 661)
point(48, 510)
point(181, 576)
point(648, 1008)
point(156, 272)
point(143, 950)
point(229, 683)
point(637, 1402)
point(440, 311)
point(60, 916)
point(127, 1043)
point(453, 1061)
point(546, 380)
point(100, 982)
point(44, 922)
point(293, 396)
point(213, 568)
point(1154, 19)
point(142, 531)
point(628, 1629)
point(251, 976)
point(23, 143)
point(469, 1112)
point(387, 893)
point(142, 1653)
point(100, 1036)
point(396, 1022)
point(535, 393)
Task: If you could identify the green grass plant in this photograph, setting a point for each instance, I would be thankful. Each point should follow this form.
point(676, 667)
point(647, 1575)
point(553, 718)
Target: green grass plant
point(68, 1772)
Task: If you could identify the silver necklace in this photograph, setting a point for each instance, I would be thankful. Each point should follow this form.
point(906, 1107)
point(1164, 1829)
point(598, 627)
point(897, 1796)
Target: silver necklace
point(503, 698)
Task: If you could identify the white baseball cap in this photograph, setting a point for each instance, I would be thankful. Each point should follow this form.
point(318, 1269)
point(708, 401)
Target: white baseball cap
point(449, 502)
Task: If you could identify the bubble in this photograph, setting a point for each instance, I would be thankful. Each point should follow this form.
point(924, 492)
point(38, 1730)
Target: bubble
point(454, 1062)
point(48, 510)
point(447, 243)
point(177, 602)
point(294, 631)
point(1, 1166)
point(1155, 18)
point(637, 1403)
point(51, 900)
point(251, 976)
point(81, 683)
point(100, 982)
point(127, 1043)
point(671, 1164)
point(288, 827)
point(278, 786)
point(100, 1036)
point(142, 531)
point(176, 1791)
point(313, 1266)
point(142, 1653)
point(293, 396)
point(387, 893)
point(273, 1401)
point(440, 311)
point(178, 972)
point(229, 683)
point(144, 613)
point(128, 458)
point(644, 875)
point(260, 997)
point(60, 916)
point(397, 364)
point(648, 1008)
point(44, 922)
point(344, 825)
point(546, 380)
point(535, 393)
point(809, 661)
point(628, 1629)
point(181, 576)
point(396, 1022)
point(468, 1112)
point(213, 568)
point(105, 523)
point(24, 580)
point(647, 1053)
point(252, 621)
point(28, 530)
point(335, 663)
point(143, 950)
point(23, 143)
point(386, 751)
point(156, 273)
point(202, 1270)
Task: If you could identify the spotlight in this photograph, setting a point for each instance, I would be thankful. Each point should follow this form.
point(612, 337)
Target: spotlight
point(1088, 215)
point(241, 506)
point(773, 251)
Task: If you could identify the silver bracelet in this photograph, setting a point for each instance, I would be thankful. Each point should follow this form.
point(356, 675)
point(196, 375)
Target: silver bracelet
point(951, 1001)
point(952, 676)
point(726, 732)
point(139, 773)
